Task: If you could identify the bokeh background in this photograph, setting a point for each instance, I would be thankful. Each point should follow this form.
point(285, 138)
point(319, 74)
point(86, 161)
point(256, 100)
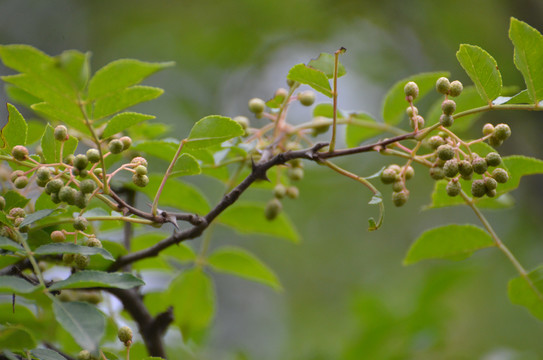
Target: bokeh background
point(346, 294)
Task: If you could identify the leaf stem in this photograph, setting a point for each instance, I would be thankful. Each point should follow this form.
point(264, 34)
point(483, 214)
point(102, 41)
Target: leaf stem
point(30, 256)
point(334, 94)
point(166, 175)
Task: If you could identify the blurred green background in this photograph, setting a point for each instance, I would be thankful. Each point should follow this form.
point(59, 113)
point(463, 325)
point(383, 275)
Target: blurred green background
point(347, 295)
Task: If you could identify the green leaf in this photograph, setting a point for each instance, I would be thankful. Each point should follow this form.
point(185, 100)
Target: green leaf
point(482, 70)
point(326, 110)
point(124, 99)
point(20, 96)
point(14, 199)
point(441, 199)
point(91, 278)
point(180, 253)
point(76, 65)
point(47, 354)
point(213, 130)
point(121, 74)
point(63, 114)
point(248, 218)
point(241, 263)
point(186, 164)
point(16, 338)
point(312, 77)
point(194, 304)
point(8, 244)
point(70, 248)
point(14, 132)
point(325, 63)
point(362, 127)
point(51, 147)
point(448, 241)
point(521, 292)
point(24, 58)
point(162, 149)
point(394, 104)
point(38, 215)
point(16, 285)
point(82, 321)
point(528, 44)
point(519, 166)
point(123, 121)
point(4, 220)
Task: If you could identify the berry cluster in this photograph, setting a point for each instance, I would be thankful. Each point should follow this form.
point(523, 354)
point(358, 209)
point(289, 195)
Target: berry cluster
point(295, 172)
point(397, 176)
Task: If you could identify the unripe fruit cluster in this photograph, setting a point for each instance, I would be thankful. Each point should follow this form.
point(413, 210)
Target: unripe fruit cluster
point(498, 134)
point(396, 175)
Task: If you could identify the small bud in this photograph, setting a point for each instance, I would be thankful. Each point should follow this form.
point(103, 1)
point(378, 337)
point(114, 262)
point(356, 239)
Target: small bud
point(456, 88)
point(115, 146)
point(411, 90)
point(453, 188)
point(54, 186)
point(306, 98)
point(493, 159)
point(411, 111)
point(140, 180)
point(256, 105)
point(488, 129)
point(419, 120)
point(81, 261)
point(93, 155)
point(2, 203)
point(67, 195)
point(58, 236)
point(296, 174)
point(19, 152)
point(61, 133)
point(80, 161)
point(17, 173)
point(84, 355)
point(69, 159)
point(279, 191)
point(17, 212)
point(490, 183)
point(273, 208)
point(479, 165)
point(435, 141)
point(293, 192)
point(80, 223)
point(446, 120)
point(87, 186)
point(68, 259)
point(138, 160)
point(409, 172)
point(478, 188)
point(21, 182)
point(81, 200)
point(400, 198)
point(43, 173)
point(388, 176)
point(437, 173)
point(398, 185)
point(125, 335)
point(445, 152)
point(502, 132)
point(140, 170)
point(93, 242)
point(448, 107)
point(450, 168)
point(243, 121)
point(126, 141)
point(443, 86)
point(465, 168)
point(500, 175)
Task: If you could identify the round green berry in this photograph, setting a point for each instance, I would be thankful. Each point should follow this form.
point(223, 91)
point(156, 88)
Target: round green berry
point(419, 120)
point(126, 141)
point(495, 142)
point(19, 152)
point(293, 192)
point(493, 159)
point(125, 335)
point(446, 120)
point(61, 133)
point(491, 193)
point(398, 185)
point(84, 355)
point(54, 198)
point(273, 208)
point(306, 98)
point(81, 200)
point(437, 173)
point(453, 188)
point(445, 152)
point(58, 236)
point(450, 168)
point(93, 155)
point(80, 223)
point(411, 111)
point(479, 165)
point(397, 168)
point(69, 159)
point(243, 121)
point(17, 173)
point(465, 169)
point(409, 172)
point(87, 186)
point(81, 261)
point(290, 82)
point(502, 132)
point(478, 188)
point(140, 180)
point(43, 173)
point(490, 183)
point(500, 175)
point(83, 173)
point(2, 203)
point(256, 105)
point(140, 170)
point(296, 174)
point(68, 259)
point(388, 176)
point(80, 161)
point(280, 93)
point(279, 191)
point(17, 221)
point(67, 194)
point(448, 107)
point(93, 242)
point(54, 186)
point(17, 212)
point(21, 182)
point(488, 129)
point(115, 146)
point(435, 141)
point(138, 160)
point(399, 198)
point(411, 90)
point(98, 172)
point(443, 85)
point(456, 88)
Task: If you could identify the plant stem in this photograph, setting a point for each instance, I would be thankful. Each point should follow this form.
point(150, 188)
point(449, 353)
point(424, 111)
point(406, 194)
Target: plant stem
point(166, 175)
point(334, 95)
point(30, 256)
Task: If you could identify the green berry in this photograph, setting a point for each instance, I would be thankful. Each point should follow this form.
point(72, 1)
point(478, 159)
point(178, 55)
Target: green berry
point(500, 175)
point(93, 242)
point(140, 170)
point(446, 120)
point(126, 141)
point(411, 111)
point(419, 120)
point(69, 159)
point(279, 191)
point(68, 259)
point(81, 200)
point(67, 194)
point(493, 159)
point(478, 188)
point(409, 172)
point(479, 165)
point(80, 161)
point(465, 169)
point(17, 221)
point(17, 212)
point(491, 193)
point(502, 132)
point(456, 88)
point(80, 223)
point(81, 261)
point(398, 185)
point(448, 107)
point(443, 86)
point(435, 141)
point(140, 180)
point(41, 183)
point(84, 355)
point(21, 182)
point(445, 152)
point(87, 186)
point(306, 98)
point(2, 203)
point(281, 93)
point(450, 168)
point(488, 129)
point(54, 186)
point(411, 91)
point(19, 152)
point(83, 173)
point(58, 236)
point(43, 173)
point(490, 183)
point(61, 133)
point(54, 198)
point(453, 188)
point(296, 174)
point(397, 168)
point(290, 82)
point(495, 142)
point(115, 146)
point(93, 155)
point(273, 208)
point(293, 192)
point(125, 335)
point(17, 173)
point(243, 121)
point(98, 172)
point(388, 176)
point(256, 105)
point(399, 198)
point(437, 173)
point(138, 160)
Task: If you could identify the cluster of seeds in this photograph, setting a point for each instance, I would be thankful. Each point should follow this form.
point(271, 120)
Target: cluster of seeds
point(295, 173)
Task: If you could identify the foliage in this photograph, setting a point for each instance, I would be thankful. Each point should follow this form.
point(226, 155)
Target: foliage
point(76, 186)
